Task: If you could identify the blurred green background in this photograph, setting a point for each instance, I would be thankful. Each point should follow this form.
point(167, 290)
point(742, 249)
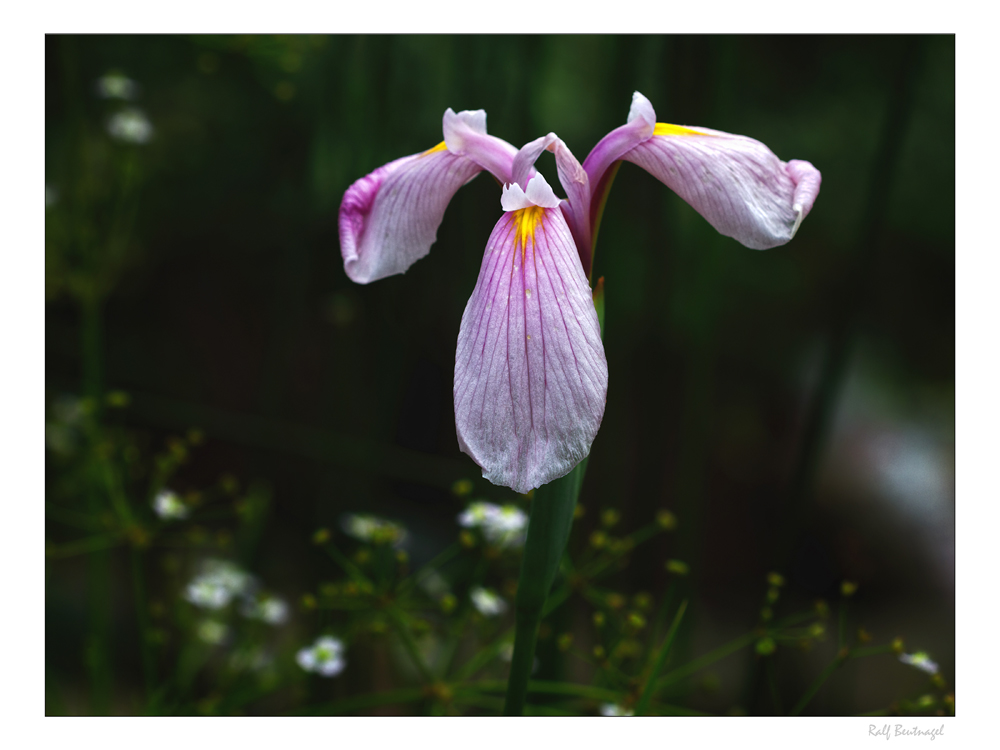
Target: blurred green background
point(794, 408)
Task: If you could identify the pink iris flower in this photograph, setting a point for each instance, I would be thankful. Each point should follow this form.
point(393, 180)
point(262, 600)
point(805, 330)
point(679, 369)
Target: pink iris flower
point(531, 377)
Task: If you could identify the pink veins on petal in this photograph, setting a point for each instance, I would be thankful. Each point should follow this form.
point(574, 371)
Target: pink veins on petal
point(530, 372)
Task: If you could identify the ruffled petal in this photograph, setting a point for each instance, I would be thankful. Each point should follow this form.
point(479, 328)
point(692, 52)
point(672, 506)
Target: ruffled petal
point(531, 377)
point(389, 219)
point(735, 182)
point(574, 180)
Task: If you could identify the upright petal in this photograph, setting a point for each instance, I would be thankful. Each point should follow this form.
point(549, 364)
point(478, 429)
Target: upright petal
point(735, 182)
point(531, 378)
point(465, 135)
point(574, 180)
point(389, 219)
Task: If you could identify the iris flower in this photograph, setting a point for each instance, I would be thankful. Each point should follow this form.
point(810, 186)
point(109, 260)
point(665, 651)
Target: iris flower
point(531, 377)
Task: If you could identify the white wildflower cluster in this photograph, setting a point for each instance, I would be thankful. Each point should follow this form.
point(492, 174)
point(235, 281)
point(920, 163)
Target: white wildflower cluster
point(325, 657)
point(503, 525)
point(168, 506)
point(221, 582)
point(218, 584)
point(921, 660)
point(130, 126)
point(613, 709)
point(373, 529)
point(487, 602)
point(267, 608)
point(117, 86)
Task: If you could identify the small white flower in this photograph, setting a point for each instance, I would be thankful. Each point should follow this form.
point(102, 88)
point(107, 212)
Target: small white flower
point(921, 660)
point(131, 126)
point(117, 86)
point(324, 657)
point(212, 632)
point(372, 529)
point(613, 709)
point(51, 196)
point(504, 526)
point(488, 602)
point(270, 609)
point(168, 506)
point(218, 584)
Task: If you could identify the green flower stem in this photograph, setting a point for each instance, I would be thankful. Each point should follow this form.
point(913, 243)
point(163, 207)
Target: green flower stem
point(661, 659)
point(410, 645)
point(817, 684)
point(549, 524)
point(710, 658)
point(841, 659)
point(436, 563)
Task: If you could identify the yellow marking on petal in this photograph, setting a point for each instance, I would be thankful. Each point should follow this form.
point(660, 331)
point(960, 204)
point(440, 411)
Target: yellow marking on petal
point(526, 220)
point(665, 128)
point(440, 147)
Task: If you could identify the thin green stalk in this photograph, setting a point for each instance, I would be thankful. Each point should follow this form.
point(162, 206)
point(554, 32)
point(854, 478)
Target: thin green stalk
point(461, 622)
point(411, 647)
point(350, 568)
point(711, 657)
point(549, 525)
point(817, 684)
point(408, 583)
point(661, 659)
point(87, 545)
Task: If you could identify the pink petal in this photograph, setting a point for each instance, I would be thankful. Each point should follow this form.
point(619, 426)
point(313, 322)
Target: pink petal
point(574, 180)
point(465, 135)
point(389, 219)
point(530, 373)
point(735, 182)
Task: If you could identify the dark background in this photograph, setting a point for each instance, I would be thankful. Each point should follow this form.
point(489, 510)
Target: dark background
point(794, 408)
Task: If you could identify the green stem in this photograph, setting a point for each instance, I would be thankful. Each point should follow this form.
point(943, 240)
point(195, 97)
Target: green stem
point(408, 583)
point(549, 525)
point(411, 647)
point(814, 688)
point(661, 659)
point(710, 658)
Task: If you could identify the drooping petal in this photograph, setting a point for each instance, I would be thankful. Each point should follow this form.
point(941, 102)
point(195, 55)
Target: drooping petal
point(389, 219)
point(735, 182)
point(531, 377)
